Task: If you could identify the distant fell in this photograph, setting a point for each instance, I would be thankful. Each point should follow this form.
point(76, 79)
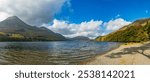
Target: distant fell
point(80, 38)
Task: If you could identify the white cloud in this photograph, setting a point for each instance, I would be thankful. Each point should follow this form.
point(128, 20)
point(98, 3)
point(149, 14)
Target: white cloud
point(89, 29)
point(113, 25)
point(34, 12)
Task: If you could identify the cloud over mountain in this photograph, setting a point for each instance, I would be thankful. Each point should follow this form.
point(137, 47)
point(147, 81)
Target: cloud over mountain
point(91, 29)
point(113, 25)
point(34, 12)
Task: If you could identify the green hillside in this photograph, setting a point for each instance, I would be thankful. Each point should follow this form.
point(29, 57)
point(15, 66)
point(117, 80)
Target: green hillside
point(138, 31)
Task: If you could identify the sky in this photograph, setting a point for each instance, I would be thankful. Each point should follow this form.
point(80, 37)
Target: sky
point(71, 18)
point(84, 10)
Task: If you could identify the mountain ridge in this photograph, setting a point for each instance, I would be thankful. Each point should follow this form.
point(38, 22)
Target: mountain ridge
point(13, 28)
point(79, 38)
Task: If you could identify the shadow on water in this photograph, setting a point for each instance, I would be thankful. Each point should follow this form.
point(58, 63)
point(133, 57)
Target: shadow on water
point(132, 50)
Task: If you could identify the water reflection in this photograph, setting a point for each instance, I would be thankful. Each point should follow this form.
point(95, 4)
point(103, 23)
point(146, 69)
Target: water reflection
point(51, 53)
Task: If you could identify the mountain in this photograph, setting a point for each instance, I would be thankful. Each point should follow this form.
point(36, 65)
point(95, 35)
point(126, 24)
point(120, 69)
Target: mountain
point(80, 38)
point(15, 29)
point(138, 31)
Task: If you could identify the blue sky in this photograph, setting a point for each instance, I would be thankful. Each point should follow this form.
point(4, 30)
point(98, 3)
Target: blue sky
point(85, 10)
point(94, 18)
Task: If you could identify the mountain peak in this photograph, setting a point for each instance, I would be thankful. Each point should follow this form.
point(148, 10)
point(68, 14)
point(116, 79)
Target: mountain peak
point(13, 20)
point(13, 17)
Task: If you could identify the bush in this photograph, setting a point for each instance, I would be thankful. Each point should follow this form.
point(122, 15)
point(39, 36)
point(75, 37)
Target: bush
point(17, 36)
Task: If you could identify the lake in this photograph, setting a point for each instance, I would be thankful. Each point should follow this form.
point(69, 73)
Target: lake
point(51, 53)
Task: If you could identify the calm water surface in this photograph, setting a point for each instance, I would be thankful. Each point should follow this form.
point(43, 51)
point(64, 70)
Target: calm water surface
point(51, 53)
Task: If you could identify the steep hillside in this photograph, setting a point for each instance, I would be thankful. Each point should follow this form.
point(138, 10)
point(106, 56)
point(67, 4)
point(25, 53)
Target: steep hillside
point(138, 31)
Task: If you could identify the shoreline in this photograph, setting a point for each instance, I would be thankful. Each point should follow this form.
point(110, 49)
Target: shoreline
point(93, 58)
point(125, 54)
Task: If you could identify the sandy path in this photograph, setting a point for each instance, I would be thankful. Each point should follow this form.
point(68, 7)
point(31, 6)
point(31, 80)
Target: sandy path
point(130, 54)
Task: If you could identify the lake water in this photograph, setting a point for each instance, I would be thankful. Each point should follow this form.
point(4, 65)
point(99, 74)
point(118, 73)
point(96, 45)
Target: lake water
point(51, 53)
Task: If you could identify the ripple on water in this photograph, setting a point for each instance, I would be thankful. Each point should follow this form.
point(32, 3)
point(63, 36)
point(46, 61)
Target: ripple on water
point(51, 53)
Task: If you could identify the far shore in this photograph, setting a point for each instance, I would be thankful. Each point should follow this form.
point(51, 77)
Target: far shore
point(126, 54)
